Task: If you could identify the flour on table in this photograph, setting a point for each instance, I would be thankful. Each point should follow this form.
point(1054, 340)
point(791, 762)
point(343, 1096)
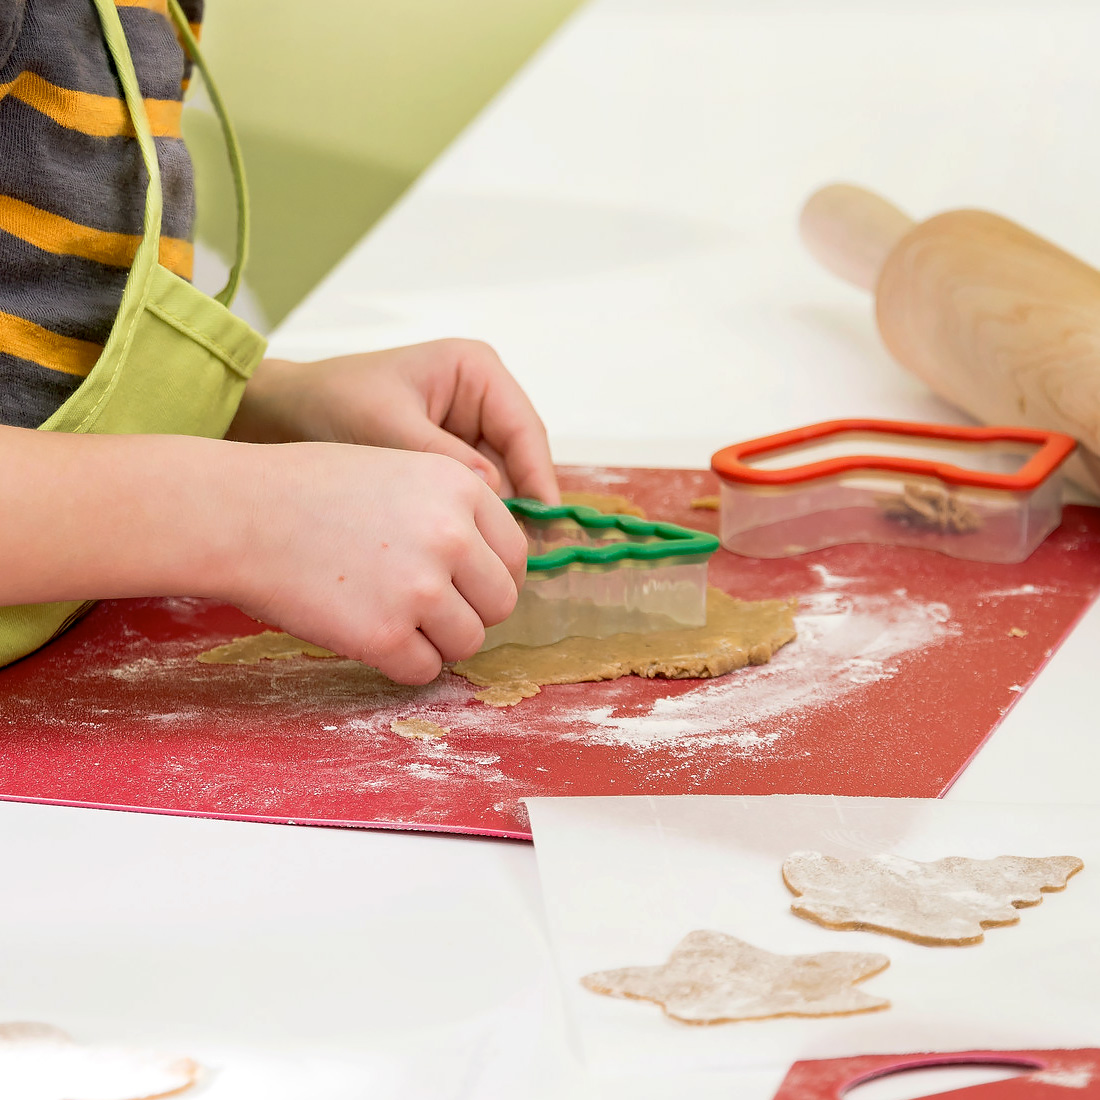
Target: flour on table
point(599, 476)
point(1064, 1078)
point(845, 640)
point(319, 731)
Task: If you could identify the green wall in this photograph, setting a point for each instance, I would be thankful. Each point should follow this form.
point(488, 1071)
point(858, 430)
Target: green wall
point(338, 115)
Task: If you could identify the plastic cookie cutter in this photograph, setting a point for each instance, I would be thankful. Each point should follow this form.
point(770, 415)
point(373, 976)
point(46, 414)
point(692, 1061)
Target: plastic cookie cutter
point(1053, 1074)
point(593, 574)
point(986, 494)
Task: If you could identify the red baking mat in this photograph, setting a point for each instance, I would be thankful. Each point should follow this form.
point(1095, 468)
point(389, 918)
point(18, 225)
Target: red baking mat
point(906, 661)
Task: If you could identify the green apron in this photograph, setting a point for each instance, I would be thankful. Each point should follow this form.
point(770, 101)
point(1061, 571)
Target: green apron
point(176, 360)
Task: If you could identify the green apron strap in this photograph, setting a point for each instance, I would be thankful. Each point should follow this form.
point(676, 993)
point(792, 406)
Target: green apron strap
point(148, 252)
point(236, 161)
point(147, 255)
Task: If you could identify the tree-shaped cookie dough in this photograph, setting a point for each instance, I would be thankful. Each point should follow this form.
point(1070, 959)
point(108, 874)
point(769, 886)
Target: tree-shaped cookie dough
point(713, 978)
point(950, 901)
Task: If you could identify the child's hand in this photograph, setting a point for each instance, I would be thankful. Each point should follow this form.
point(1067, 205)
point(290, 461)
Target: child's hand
point(451, 397)
point(396, 559)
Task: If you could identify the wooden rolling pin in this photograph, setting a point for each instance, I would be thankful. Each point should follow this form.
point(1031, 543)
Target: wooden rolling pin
point(996, 320)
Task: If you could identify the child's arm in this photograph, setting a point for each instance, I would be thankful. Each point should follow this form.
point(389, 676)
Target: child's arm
point(397, 559)
point(451, 397)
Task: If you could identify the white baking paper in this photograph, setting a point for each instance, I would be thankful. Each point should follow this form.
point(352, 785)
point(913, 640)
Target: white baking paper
point(624, 879)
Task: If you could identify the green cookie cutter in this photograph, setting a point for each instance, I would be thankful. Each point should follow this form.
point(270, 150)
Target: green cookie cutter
point(643, 541)
point(591, 574)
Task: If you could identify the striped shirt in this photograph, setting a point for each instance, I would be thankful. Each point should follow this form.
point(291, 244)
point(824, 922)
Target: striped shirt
point(72, 186)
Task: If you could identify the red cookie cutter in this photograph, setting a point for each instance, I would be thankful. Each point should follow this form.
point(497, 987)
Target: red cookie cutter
point(987, 494)
point(1061, 1074)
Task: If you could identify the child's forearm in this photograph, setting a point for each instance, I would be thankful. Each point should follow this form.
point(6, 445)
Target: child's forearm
point(395, 558)
point(98, 516)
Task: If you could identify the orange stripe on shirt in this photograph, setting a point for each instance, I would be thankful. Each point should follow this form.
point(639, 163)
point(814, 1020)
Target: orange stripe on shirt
point(53, 233)
point(87, 113)
point(21, 337)
point(196, 32)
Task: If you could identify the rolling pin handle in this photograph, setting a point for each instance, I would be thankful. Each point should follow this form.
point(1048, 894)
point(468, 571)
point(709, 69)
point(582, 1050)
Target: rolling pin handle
point(851, 231)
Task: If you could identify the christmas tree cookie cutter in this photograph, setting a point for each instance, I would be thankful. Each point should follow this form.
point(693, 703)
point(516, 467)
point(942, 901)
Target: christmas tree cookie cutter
point(592, 574)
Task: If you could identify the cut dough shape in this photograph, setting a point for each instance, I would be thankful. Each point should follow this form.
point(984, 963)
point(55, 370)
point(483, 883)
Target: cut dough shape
point(707, 504)
point(712, 978)
point(603, 502)
point(418, 729)
point(40, 1062)
point(737, 633)
point(930, 508)
point(271, 645)
point(951, 901)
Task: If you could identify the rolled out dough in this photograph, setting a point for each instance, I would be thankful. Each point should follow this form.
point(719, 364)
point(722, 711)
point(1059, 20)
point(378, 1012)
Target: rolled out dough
point(603, 502)
point(737, 633)
point(271, 645)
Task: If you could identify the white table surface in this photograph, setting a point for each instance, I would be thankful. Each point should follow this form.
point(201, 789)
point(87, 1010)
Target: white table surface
point(620, 225)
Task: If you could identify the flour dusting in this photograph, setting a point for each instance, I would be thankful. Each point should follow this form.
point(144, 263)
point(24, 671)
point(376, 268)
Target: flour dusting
point(597, 476)
point(844, 642)
point(1065, 1078)
point(1019, 590)
point(831, 580)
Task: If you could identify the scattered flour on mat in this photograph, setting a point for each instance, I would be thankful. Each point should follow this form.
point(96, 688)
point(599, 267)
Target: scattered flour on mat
point(844, 642)
point(1066, 1078)
point(598, 476)
point(1019, 590)
point(831, 580)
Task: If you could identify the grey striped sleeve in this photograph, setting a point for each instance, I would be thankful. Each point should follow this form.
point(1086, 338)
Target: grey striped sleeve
point(94, 181)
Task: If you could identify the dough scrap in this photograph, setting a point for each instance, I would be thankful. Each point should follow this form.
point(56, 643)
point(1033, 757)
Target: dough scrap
point(930, 508)
point(271, 645)
point(737, 633)
point(41, 1060)
point(603, 502)
point(713, 978)
point(950, 901)
point(707, 504)
point(418, 729)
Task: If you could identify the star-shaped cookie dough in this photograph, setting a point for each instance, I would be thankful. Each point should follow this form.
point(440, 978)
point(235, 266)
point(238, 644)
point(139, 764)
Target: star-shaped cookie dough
point(712, 978)
point(950, 901)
